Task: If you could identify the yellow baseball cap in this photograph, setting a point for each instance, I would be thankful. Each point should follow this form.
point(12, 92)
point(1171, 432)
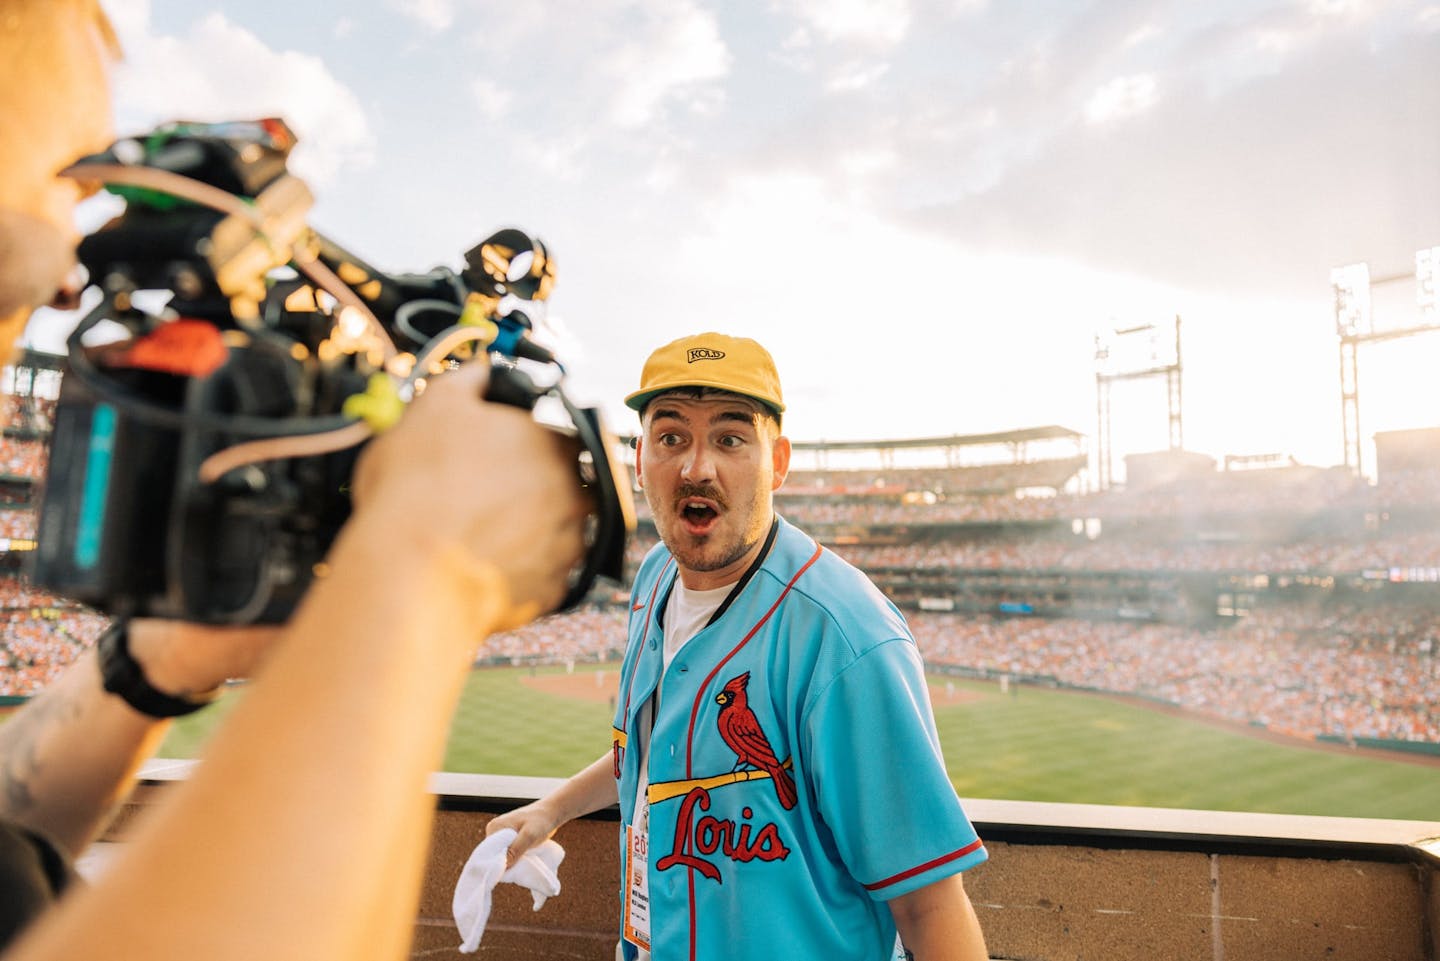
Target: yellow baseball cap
point(737, 364)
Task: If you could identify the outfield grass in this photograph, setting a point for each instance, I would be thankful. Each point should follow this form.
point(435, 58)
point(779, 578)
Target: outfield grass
point(1042, 745)
point(504, 727)
point(1034, 745)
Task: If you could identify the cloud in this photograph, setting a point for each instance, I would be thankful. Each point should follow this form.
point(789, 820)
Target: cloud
point(1144, 140)
point(846, 42)
point(220, 71)
point(856, 76)
point(131, 18)
point(850, 304)
point(1263, 187)
point(624, 64)
point(1121, 98)
point(590, 85)
point(670, 56)
point(435, 16)
point(869, 23)
point(494, 100)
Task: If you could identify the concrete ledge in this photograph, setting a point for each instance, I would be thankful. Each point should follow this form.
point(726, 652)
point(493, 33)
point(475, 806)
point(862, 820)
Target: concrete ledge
point(1179, 829)
point(1065, 882)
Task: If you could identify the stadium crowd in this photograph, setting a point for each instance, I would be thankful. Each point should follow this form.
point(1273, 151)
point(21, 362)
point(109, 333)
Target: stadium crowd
point(1406, 488)
point(1350, 673)
point(19, 523)
point(585, 635)
point(42, 635)
point(22, 457)
point(1410, 549)
point(978, 479)
point(1303, 492)
point(1334, 670)
point(1292, 491)
point(1347, 675)
point(988, 508)
point(27, 413)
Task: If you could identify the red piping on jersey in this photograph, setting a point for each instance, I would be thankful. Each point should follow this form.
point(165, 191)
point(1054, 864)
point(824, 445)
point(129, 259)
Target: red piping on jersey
point(975, 845)
point(649, 609)
point(700, 695)
point(695, 709)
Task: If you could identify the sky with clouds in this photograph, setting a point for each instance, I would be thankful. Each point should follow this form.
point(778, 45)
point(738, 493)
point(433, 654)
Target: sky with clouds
point(927, 209)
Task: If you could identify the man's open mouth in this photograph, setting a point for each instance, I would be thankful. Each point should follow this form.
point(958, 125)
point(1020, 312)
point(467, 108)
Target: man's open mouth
point(698, 516)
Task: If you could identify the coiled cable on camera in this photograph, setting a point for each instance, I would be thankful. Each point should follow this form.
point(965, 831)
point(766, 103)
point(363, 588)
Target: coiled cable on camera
point(157, 415)
point(351, 433)
point(206, 195)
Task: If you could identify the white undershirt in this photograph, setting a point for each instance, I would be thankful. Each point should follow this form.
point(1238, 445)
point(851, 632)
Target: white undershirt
point(686, 614)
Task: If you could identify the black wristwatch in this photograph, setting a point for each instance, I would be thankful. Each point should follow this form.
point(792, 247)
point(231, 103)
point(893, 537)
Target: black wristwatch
point(125, 678)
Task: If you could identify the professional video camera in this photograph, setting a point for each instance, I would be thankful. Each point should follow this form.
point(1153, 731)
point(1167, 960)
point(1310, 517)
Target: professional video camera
point(200, 466)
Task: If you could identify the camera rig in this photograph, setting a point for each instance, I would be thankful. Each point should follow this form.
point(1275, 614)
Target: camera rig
point(200, 466)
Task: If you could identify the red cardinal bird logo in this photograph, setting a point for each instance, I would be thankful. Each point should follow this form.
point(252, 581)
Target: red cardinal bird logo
point(740, 729)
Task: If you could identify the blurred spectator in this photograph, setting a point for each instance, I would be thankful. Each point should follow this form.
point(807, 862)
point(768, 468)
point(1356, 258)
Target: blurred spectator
point(22, 457)
point(588, 634)
point(1293, 670)
point(1329, 668)
point(41, 635)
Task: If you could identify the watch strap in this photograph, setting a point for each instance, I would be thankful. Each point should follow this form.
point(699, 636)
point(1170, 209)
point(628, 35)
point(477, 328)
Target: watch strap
point(124, 677)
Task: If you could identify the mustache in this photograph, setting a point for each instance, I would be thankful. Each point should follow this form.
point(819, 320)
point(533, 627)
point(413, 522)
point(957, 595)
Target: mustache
point(688, 490)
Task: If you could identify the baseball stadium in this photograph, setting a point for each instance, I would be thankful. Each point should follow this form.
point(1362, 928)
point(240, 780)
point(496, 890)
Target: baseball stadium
point(1193, 705)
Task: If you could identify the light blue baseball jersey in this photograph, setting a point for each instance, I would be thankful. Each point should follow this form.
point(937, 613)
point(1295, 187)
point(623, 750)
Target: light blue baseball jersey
point(796, 780)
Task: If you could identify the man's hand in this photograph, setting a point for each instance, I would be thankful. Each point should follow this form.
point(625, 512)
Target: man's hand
point(533, 824)
point(482, 486)
point(587, 791)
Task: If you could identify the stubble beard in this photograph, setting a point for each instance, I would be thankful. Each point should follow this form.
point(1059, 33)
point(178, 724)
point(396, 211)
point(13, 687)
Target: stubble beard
point(705, 553)
point(698, 558)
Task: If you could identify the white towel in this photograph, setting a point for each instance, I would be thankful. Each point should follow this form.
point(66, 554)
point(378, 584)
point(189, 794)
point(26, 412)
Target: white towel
point(486, 868)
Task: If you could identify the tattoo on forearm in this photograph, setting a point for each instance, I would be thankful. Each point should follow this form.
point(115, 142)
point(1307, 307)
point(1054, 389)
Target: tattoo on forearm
point(20, 747)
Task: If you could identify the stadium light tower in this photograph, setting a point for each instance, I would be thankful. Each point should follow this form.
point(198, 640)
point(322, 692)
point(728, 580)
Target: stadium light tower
point(1356, 323)
point(1135, 353)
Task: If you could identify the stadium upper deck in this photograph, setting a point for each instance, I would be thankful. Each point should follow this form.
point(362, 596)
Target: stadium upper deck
point(992, 539)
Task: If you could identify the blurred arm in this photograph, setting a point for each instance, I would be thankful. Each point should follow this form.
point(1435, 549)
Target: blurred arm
point(70, 754)
point(304, 832)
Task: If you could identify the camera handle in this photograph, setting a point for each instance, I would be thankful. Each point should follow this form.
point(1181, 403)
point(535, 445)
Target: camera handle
point(602, 477)
point(510, 385)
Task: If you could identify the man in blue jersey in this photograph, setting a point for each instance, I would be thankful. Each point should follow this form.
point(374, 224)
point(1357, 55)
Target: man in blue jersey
point(774, 756)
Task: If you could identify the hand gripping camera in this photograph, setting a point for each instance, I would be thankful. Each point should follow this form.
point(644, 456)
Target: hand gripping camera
point(200, 465)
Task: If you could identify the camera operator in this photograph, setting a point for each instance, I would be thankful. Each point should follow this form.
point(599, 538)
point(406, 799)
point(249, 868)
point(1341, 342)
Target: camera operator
point(304, 831)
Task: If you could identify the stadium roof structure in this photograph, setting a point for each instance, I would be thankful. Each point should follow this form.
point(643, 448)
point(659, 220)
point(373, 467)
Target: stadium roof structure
point(1022, 436)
